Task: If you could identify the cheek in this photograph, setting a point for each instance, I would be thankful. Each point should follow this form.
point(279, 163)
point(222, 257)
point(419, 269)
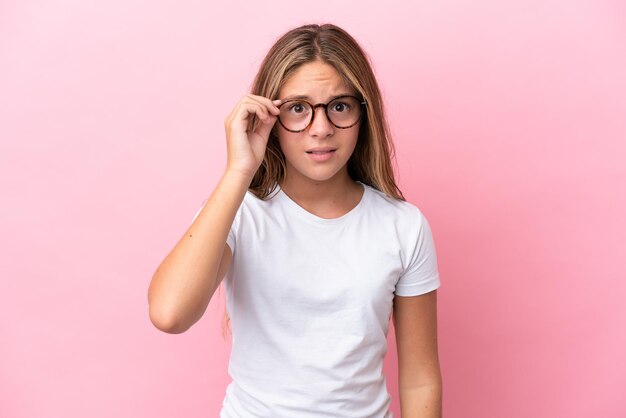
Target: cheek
point(288, 141)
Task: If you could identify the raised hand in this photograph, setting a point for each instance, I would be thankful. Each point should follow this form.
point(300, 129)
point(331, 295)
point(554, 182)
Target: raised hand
point(245, 147)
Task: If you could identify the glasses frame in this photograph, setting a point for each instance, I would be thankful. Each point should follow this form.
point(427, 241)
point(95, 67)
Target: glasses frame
point(363, 103)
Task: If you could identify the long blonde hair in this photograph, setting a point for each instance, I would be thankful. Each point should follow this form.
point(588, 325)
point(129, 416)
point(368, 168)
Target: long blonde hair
point(370, 162)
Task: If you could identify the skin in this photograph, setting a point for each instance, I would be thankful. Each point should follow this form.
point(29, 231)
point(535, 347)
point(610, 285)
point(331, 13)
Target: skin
point(319, 187)
point(415, 324)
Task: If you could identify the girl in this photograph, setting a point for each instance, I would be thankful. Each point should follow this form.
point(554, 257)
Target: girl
point(315, 243)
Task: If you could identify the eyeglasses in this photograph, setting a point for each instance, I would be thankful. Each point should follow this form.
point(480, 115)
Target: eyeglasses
point(343, 112)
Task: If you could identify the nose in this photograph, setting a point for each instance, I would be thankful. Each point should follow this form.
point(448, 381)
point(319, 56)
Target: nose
point(320, 125)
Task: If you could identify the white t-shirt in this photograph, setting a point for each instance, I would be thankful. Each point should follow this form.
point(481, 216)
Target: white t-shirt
point(310, 301)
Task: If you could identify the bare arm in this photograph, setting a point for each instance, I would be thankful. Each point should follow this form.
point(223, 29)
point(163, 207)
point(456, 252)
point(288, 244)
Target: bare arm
point(184, 283)
point(415, 324)
point(187, 278)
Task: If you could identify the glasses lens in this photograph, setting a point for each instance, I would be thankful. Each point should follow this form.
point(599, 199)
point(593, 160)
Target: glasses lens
point(344, 111)
point(295, 115)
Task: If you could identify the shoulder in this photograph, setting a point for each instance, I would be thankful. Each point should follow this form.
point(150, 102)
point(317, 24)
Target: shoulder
point(402, 212)
point(255, 207)
point(252, 200)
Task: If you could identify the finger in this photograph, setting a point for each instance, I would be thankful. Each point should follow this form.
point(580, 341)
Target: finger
point(246, 111)
point(277, 103)
point(248, 107)
point(243, 103)
point(270, 105)
point(265, 127)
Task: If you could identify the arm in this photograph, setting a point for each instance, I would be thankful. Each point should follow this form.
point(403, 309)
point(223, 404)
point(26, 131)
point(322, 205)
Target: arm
point(186, 279)
point(415, 324)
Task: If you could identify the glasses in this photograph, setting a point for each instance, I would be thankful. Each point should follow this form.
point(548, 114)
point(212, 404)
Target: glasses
point(343, 112)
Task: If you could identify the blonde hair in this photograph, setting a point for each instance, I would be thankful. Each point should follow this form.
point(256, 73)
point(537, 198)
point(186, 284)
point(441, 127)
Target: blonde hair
point(370, 162)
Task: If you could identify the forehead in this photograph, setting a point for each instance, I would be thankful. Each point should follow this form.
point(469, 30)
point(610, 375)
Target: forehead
point(316, 80)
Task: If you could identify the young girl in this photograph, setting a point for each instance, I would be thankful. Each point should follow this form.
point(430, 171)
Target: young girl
point(315, 243)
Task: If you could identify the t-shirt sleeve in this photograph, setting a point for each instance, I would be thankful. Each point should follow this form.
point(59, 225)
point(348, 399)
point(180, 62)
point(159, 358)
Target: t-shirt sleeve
point(421, 274)
point(230, 239)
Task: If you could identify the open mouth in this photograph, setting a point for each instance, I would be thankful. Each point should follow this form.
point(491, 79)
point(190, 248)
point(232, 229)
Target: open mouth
point(321, 156)
point(320, 152)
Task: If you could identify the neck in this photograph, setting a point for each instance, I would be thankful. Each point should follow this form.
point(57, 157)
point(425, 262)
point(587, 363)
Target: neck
point(307, 190)
point(326, 199)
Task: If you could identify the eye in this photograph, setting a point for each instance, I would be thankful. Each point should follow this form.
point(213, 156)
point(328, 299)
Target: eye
point(297, 107)
point(340, 107)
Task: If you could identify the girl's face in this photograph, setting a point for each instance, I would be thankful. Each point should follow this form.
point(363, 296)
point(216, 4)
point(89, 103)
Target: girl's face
point(316, 82)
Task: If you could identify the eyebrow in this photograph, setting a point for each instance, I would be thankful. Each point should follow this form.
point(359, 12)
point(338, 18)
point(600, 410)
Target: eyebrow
point(304, 97)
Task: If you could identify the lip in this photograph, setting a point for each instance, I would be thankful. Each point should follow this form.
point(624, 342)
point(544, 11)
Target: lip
point(325, 156)
point(321, 149)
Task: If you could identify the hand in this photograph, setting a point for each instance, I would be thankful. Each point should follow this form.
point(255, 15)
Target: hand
point(246, 148)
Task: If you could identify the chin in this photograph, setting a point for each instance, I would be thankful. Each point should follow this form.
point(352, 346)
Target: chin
point(321, 177)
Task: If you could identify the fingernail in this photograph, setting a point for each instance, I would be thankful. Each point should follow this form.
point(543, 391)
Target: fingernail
point(276, 101)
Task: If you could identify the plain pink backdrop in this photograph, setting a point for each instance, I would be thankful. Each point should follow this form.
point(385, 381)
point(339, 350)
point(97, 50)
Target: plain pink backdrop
point(509, 119)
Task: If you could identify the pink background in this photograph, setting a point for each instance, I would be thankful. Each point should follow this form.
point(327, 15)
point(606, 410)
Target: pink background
point(509, 119)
